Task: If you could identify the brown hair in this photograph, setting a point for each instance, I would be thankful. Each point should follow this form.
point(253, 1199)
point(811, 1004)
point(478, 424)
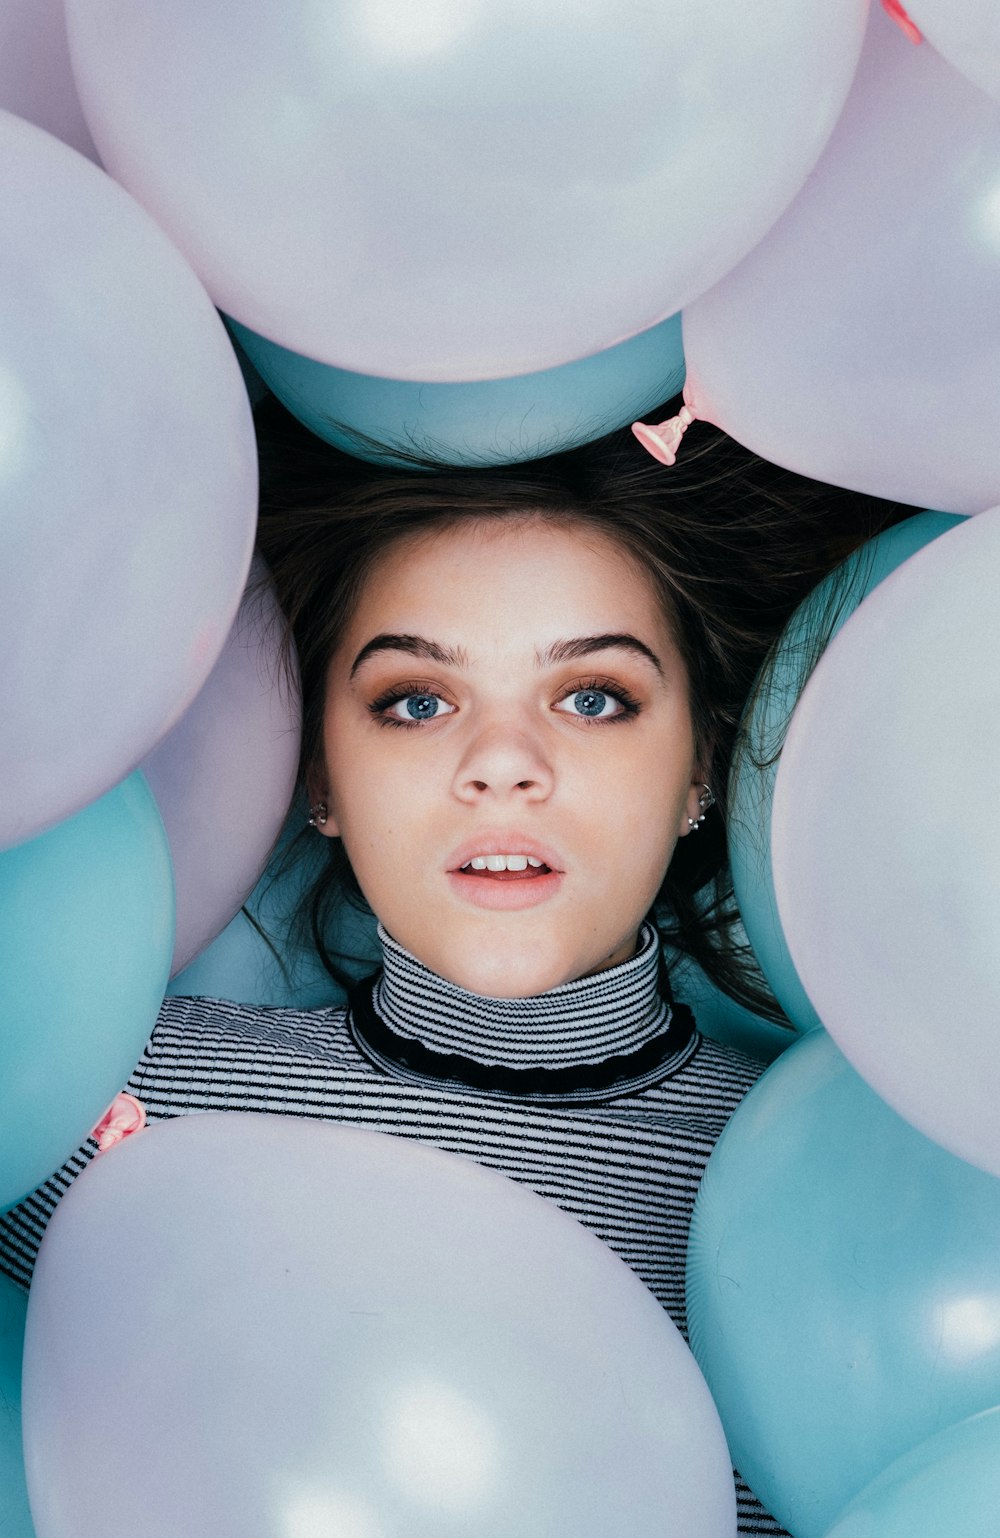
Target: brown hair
point(730, 543)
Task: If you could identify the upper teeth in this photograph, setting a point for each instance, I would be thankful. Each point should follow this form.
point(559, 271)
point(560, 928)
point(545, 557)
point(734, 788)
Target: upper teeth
point(502, 862)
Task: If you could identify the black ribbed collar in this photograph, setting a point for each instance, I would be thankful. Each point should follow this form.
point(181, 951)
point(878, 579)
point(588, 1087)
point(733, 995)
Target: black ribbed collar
point(590, 1040)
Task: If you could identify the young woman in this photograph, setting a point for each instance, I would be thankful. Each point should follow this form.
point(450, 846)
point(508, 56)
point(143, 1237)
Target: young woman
point(520, 691)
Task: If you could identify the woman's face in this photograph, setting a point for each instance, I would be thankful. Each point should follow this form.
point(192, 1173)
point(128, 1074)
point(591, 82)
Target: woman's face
point(509, 689)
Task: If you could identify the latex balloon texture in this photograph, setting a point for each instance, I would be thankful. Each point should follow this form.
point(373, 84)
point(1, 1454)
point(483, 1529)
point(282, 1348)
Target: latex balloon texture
point(487, 422)
point(223, 777)
point(128, 495)
point(454, 191)
point(860, 342)
point(86, 935)
point(843, 1286)
point(967, 35)
point(772, 701)
point(36, 80)
point(949, 1484)
point(15, 1516)
point(330, 1336)
point(886, 840)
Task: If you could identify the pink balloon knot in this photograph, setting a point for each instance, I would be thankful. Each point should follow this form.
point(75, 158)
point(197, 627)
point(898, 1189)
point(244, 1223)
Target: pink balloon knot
point(902, 20)
point(663, 440)
point(124, 1116)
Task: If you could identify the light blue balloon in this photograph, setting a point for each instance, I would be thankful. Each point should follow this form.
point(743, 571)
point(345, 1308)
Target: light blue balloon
point(15, 1517)
point(948, 1487)
point(490, 422)
point(843, 1286)
point(86, 937)
point(751, 786)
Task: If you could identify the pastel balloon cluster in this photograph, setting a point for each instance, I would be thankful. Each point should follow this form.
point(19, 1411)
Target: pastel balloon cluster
point(473, 232)
point(844, 1263)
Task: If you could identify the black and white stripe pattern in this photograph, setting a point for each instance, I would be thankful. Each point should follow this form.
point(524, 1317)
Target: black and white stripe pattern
point(625, 1159)
point(587, 1021)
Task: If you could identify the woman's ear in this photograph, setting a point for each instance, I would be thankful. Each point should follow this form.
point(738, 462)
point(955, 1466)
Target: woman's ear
point(699, 799)
point(320, 813)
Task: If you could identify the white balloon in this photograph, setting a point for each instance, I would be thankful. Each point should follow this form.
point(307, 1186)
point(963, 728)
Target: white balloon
point(36, 80)
point(128, 485)
point(461, 189)
point(859, 343)
point(223, 777)
point(966, 33)
point(294, 1330)
point(886, 840)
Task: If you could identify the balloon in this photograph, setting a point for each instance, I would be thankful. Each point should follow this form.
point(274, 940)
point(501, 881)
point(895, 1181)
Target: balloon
point(772, 700)
point(86, 934)
point(860, 342)
point(843, 1286)
point(886, 839)
point(36, 80)
point(949, 1484)
point(326, 1334)
point(494, 422)
point(967, 35)
point(223, 778)
point(458, 191)
point(15, 1518)
point(128, 493)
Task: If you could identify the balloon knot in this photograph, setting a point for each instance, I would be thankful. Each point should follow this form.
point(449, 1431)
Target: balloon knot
point(124, 1116)
point(663, 440)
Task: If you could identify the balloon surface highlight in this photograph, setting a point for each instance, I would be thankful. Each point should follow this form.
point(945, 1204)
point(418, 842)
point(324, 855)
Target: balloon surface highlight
point(86, 935)
point(886, 839)
point(860, 342)
point(755, 767)
point(128, 482)
point(843, 1286)
point(455, 190)
point(223, 778)
point(329, 1334)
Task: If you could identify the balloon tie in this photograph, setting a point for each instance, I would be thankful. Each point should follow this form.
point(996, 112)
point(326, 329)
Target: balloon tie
point(663, 440)
point(124, 1116)
point(903, 20)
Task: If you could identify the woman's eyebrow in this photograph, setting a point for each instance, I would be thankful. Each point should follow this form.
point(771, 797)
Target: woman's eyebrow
point(584, 646)
point(416, 646)
point(456, 656)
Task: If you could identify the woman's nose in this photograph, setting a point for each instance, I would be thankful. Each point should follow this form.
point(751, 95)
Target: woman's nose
point(505, 759)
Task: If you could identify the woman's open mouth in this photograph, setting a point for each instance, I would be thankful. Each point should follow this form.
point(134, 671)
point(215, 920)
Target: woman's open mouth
point(505, 867)
point(505, 881)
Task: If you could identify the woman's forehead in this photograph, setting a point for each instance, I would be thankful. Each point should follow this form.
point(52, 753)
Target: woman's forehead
point(558, 558)
point(507, 584)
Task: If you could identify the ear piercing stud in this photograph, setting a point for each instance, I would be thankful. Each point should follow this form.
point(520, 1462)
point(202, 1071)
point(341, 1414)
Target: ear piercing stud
point(705, 801)
point(318, 814)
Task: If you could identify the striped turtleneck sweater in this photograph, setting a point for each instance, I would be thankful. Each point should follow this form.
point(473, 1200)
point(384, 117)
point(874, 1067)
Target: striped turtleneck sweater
point(600, 1095)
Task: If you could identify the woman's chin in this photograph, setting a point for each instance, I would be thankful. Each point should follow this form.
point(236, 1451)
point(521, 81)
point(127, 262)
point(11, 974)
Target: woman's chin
point(511, 971)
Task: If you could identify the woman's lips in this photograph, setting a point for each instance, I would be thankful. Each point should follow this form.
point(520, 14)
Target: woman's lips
point(505, 890)
point(532, 873)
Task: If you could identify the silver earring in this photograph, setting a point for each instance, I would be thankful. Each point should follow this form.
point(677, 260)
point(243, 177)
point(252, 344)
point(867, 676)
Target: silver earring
point(318, 814)
point(705, 801)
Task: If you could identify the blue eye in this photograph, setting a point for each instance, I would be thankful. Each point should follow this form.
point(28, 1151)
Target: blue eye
point(411, 708)
point(591, 705)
